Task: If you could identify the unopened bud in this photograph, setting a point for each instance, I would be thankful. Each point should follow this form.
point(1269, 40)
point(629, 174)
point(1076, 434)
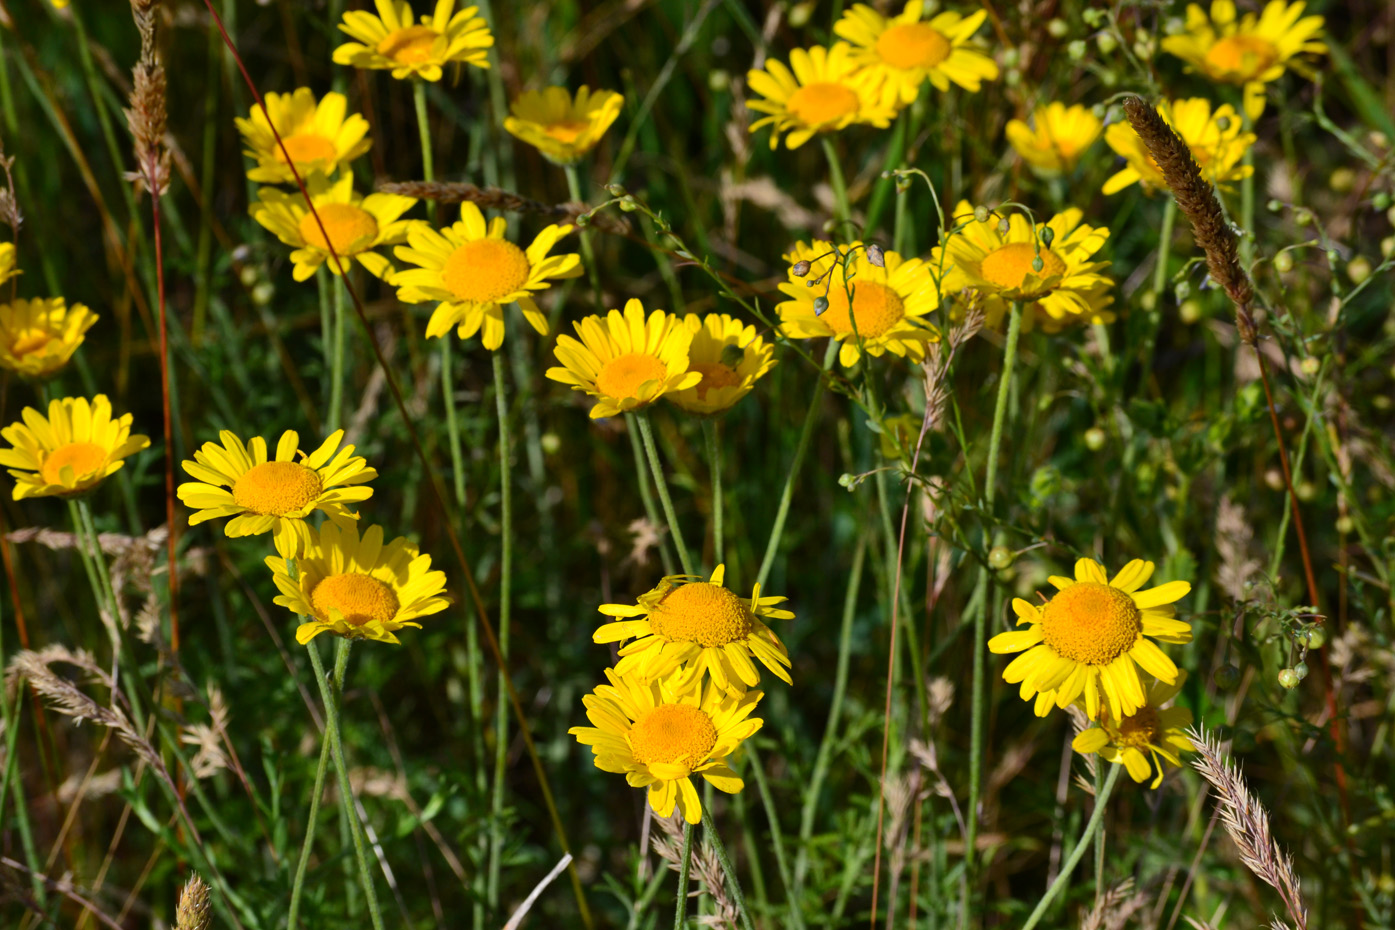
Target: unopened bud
point(820, 305)
point(1048, 235)
point(1289, 679)
point(1000, 557)
point(1283, 262)
point(1004, 226)
point(1359, 269)
point(800, 269)
point(980, 214)
point(1095, 439)
point(628, 205)
point(615, 190)
point(876, 256)
point(1310, 365)
point(1038, 264)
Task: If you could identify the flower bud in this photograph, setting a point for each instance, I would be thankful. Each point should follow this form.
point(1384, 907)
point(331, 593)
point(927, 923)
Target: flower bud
point(876, 256)
point(1359, 269)
point(980, 214)
point(1301, 670)
point(1095, 439)
point(1189, 311)
point(1048, 235)
point(800, 269)
point(1283, 262)
point(820, 305)
point(1000, 557)
point(615, 190)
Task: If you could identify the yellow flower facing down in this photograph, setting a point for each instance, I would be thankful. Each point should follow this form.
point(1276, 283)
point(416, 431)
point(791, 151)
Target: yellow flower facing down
point(1067, 288)
point(903, 52)
point(563, 128)
point(888, 309)
point(70, 451)
point(1142, 740)
point(358, 587)
point(658, 737)
point(1250, 50)
point(38, 337)
point(356, 225)
point(317, 136)
point(1218, 145)
point(691, 628)
point(625, 360)
point(730, 357)
point(822, 90)
point(1090, 638)
point(474, 272)
point(395, 40)
point(275, 495)
point(1058, 138)
point(7, 262)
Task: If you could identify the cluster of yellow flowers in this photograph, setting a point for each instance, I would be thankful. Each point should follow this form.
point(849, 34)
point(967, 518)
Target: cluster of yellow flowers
point(680, 700)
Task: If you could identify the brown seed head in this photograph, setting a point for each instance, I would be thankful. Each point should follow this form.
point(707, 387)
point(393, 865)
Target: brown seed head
point(195, 911)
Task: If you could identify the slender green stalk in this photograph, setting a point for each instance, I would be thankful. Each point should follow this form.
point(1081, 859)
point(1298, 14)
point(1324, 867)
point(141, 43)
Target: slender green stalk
point(724, 858)
point(1096, 822)
point(895, 153)
point(714, 462)
point(336, 383)
point(12, 785)
point(646, 495)
point(457, 461)
point(1160, 276)
point(346, 791)
point(588, 252)
point(341, 661)
point(646, 433)
point(841, 210)
point(777, 531)
point(1247, 196)
point(1099, 838)
point(428, 169)
point(501, 721)
point(680, 904)
point(777, 844)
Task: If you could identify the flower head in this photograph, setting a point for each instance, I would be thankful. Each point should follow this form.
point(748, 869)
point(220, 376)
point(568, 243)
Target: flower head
point(1051, 271)
point(7, 262)
point(1215, 138)
point(888, 308)
point(659, 736)
point(394, 40)
point(822, 90)
point(473, 271)
point(730, 357)
point(275, 495)
point(38, 337)
point(691, 627)
point(357, 587)
point(1142, 740)
point(1057, 140)
point(1091, 637)
point(317, 137)
point(355, 225)
point(903, 52)
point(625, 360)
point(1251, 50)
point(563, 128)
point(70, 451)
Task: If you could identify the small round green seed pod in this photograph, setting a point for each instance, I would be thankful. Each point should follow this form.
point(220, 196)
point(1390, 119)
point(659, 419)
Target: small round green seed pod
point(1289, 679)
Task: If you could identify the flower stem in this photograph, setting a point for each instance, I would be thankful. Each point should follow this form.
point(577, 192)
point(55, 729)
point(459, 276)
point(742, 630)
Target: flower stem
point(680, 905)
point(457, 462)
point(1096, 823)
point(841, 211)
point(336, 748)
point(646, 495)
point(428, 169)
point(318, 792)
point(1154, 321)
point(646, 433)
point(336, 384)
point(714, 459)
point(501, 722)
point(777, 845)
point(724, 858)
point(588, 254)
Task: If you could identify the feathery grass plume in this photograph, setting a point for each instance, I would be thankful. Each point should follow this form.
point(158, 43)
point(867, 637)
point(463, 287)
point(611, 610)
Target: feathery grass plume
point(668, 844)
point(1247, 822)
point(1114, 908)
point(496, 198)
point(195, 911)
point(1198, 202)
point(147, 114)
point(1234, 536)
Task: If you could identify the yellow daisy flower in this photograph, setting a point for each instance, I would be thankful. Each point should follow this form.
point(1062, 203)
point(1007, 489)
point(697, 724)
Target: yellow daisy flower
point(1067, 288)
point(275, 495)
point(356, 225)
point(1216, 141)
point(903, 52)
point(38, 337)
point(822, 90)
point(318, 137)
point(1091, 637)
point(888, 309)
point(1057, 140)
point(691, 627)
point(626, 361)
point(730, 357)
point(357, 587)
point(1142, 740)
point(562, 128)
point(70, 451)
point(1252, 50)
point(658, 737)
point(392, 39)
point(7, 262)
point(474, 271)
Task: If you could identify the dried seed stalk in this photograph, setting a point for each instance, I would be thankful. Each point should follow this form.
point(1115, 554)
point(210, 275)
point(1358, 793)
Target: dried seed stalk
point(496, 198)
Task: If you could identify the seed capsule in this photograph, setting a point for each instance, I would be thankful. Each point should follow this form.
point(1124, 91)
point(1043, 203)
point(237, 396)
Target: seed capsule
point(876, 256)
point(800, 269)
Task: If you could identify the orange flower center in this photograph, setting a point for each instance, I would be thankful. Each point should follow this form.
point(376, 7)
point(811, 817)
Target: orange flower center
point(673, 734)
point(84, 458)
point(1241, 57)
point(351, 229)
point(28, 341)
point(714, 375)
point(409, 46)
point(277, 488)
point(1137, 730)
point(485, 271)
point(1091, 623)
point(567, 131)
point(703, 613)
point(359, 598)
point(913, 45)
point(822, 102)
point(875, 307)
point(624, 375)
point(307, 147)
point(1008, 266)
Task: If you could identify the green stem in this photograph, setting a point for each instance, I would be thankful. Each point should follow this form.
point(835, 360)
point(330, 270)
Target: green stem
point(428, 169)
point(895, 152)
point(651, 511)
point(724, 858)
point(841, 211)
point(341, 661)
point(1099, 839)
point(336, 748)
point(646, 433)
point(714, 460)
point(336, 384)
point(777, 844)
point(501, 720)
point(588, 254)
point(1096, 822)
point(782, 512)
point(680, 905)
point(457, 461)
point(1160, 277)
point(1247, 197)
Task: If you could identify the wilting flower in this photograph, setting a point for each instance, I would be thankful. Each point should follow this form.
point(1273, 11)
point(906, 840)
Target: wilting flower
point(902, 52)
point(1059, 137)
point(826, 91)
point(70, 451)
point(318, 137)
point(38, 337)
point(393, 40)
point(563, 128)
point(1142, 740)
point(1216, 139)
point(730, 357)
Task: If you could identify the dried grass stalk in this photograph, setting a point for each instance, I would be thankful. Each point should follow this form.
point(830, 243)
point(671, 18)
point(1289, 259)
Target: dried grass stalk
point(147, 114)
point(496, 198)
point(668, 844)
point(1113, 910)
